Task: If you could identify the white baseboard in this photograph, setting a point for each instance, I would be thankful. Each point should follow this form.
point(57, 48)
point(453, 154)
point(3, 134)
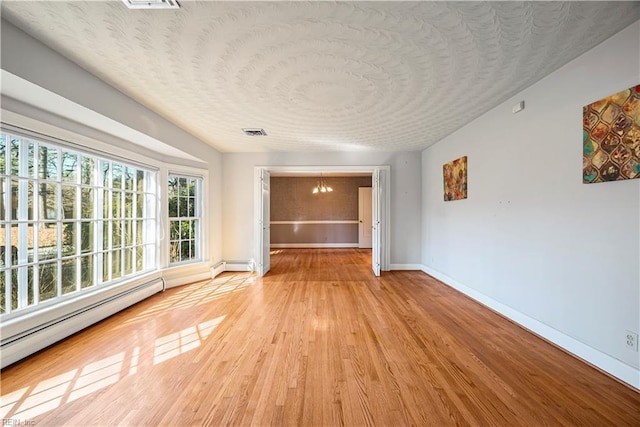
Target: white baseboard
point(313, 245)
point(238, 266)
point(187, 279)
point(418, 267)
point(217, 269)
point(601, 360)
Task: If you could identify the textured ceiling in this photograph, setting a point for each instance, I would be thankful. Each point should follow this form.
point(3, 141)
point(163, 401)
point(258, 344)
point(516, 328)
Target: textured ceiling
point(322, 75)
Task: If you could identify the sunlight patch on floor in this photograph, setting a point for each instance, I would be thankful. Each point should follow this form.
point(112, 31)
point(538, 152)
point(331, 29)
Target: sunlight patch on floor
point(29, 402)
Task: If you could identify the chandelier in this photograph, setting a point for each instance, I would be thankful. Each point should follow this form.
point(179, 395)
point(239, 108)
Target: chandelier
point(321, 187)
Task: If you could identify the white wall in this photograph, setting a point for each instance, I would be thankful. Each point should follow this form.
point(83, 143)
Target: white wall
point(52, 76)
point(532, 240)
point(405, 196)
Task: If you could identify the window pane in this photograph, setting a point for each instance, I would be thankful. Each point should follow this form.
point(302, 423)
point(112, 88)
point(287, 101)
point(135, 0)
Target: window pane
point(15, 200)
point(88, 168)
point(106, 168)
point(30, 290)
point(69, 274)
point(186, 231)
point(185, 250)
point(31, 160)
point(106, 211)
point(69, 232)
point(128, 205)
point(47, 241)
point(174, 230)
point(106, 232)
point(117, 176)
point(128, 233)
point(139, 232)
point(139, 258)
point(47, 279)
point(86, 271)
point(183, 209)
point(128, 261)
point(129, 178)
point(116, 264)
point(3, 154)
point(174, 252)
point(30, 200)
point(140, 181)
point(15, 157)
point(15, 235)
point(48, 194)
point(3, 284)
point(14, 288)
point(116, 232)
point(173, 186)
point(173, 207)
point(86, 203)
point(69, 201)
point(48, 162)
point(3, 244)
point(30, 242)
point(86, 237)
point(116, 204)
point(106, 266)
point(192, 207)
point(69, 167)
point(140, 206)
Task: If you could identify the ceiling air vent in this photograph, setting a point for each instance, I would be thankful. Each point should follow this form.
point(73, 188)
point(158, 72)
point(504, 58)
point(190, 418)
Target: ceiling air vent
point(152, 4)
point(254, 132)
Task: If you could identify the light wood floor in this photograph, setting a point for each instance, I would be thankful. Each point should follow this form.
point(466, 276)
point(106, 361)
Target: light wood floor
point(318, 342)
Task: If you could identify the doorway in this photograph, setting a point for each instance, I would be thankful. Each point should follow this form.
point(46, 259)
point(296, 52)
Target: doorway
point(380, 185)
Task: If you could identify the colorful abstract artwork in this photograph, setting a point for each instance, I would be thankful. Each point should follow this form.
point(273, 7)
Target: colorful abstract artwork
point(611, 138)
point(455, 179)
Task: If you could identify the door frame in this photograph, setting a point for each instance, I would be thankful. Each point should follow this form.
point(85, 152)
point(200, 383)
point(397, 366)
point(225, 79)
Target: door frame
point(384, 189)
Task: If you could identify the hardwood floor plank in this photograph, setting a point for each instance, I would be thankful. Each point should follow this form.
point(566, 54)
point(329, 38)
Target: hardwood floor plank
point(318, 341)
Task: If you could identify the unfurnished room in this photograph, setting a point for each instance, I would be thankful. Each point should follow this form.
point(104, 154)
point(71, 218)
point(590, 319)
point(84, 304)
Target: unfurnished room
point(319, 213)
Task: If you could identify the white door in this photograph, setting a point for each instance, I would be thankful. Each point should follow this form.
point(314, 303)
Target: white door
point(375, 221)
point(264, 223)
point(364, 217)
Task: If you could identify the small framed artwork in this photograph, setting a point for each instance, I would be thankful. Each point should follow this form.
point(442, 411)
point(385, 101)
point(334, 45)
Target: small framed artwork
point(455, 179)
point(611, 138)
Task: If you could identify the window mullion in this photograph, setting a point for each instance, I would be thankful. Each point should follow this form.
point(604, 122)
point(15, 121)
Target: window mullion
point(36, 223)
point(78, 215)
point(60, 215)
point(7, 231)
point(23, 216)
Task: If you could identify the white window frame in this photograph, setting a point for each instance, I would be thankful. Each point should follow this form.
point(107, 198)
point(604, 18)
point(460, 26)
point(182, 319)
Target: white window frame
point(150, 218)
point(201, 207)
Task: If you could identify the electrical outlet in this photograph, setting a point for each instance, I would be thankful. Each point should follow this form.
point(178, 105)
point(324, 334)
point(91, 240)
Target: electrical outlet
point(631, 340)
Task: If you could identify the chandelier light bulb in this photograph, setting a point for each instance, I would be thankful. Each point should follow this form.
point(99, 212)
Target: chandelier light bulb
point(321, 187)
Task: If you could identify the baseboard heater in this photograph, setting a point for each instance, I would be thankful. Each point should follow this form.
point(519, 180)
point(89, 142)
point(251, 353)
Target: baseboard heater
point(18, 346)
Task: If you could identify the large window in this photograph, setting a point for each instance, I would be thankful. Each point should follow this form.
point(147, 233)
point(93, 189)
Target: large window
point(185, 200)
point(69, 221)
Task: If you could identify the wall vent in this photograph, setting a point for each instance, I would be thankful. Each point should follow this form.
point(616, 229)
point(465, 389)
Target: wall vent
point(254, 132)
point(152, 4)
